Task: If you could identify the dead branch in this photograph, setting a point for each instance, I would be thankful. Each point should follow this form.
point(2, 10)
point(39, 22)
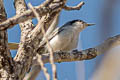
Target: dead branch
point(49, 48)
point(30, 42)
point(26, 27)
point(34, 73)
point(43, 67)
point(40, 60)
point(78, 55)
point(6, 62)
point(87, 54)
point(74, 7)
point(27, 48)
point(36, 68)
point(42, 10)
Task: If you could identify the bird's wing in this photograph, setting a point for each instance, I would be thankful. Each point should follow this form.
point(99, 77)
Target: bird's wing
point(13, 46)
point(52, 35)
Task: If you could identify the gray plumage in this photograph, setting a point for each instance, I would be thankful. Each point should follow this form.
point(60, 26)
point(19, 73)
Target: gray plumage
point(64, 38)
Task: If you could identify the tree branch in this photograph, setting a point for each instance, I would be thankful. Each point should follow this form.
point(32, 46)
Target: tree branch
point(6, 63)
point(53, 20)
point(87, 54)
point(26, 28)
point(53, 25)
point(78, 55)
point(43, 31)
point(74, 7)
point(42, 10)
point(34, 73)
point(25, 54)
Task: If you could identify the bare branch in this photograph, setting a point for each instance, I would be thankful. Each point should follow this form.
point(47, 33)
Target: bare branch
point(26, 27)
point(108, 44)
point(6, 62)
point(28, 46)
point(53, 25)
point(25, 54)
point(42, 10)
point(87, 54)
point(21, 8)
point(61, 56)
point(74, 7)
point(49, 48)
point(33, 73)
point(79, 55)
point(36, 68)
point(13, 46)
point(40, 61)
point(43, 67)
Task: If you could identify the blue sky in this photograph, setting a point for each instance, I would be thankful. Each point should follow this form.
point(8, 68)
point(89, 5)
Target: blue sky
point(91, 12)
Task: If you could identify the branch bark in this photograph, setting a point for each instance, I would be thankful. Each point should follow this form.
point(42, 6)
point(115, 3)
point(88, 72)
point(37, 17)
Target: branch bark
point(31, 37)
point(6, 62)
point(26, 27)
point(84, 54)
point(34, 73)
point(74, 7)
point(28, 46)
point(77, 55)
point(42, 10)
point(43, 31)
point(54, 18)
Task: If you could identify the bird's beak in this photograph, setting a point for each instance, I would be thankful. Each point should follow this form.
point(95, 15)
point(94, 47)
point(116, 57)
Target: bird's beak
point(90, 24)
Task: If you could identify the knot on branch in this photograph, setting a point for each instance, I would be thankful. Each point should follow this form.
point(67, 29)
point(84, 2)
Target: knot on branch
point(92, 53)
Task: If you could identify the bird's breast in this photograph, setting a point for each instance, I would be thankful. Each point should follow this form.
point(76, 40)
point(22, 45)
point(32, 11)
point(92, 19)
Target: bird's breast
point(65, 41)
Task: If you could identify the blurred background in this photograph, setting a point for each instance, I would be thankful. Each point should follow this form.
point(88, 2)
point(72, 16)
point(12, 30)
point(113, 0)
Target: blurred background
point(106, 15)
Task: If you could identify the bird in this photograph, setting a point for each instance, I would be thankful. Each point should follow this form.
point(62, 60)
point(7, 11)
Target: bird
point(64, 38)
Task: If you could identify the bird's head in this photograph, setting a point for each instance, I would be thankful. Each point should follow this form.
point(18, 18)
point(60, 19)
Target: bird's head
point(79, 24)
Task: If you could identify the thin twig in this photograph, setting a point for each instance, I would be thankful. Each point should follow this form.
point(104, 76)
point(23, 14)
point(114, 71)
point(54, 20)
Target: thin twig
point(34, 72)
point(43, 67)
point(51, 56)
point(48, 44)
point(40, 60)
point(74, 7)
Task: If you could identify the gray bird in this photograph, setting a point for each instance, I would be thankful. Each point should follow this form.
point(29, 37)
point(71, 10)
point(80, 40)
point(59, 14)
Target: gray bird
point(63, 38)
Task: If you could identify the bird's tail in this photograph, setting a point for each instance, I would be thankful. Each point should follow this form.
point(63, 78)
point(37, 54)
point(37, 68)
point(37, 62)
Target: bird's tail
point(13, 46)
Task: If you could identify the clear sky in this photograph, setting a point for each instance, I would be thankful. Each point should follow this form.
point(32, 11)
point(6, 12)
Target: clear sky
point(90, 12)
